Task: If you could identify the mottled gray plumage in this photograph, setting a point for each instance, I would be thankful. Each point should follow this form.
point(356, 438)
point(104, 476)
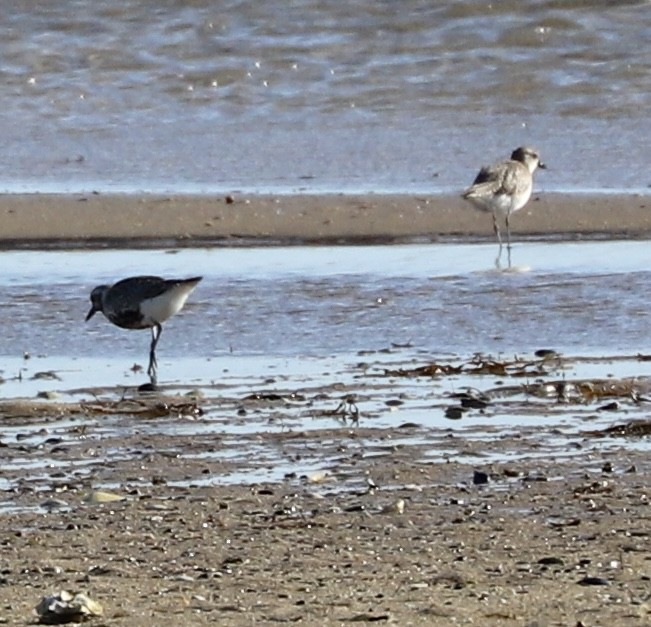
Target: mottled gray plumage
point(504, 188)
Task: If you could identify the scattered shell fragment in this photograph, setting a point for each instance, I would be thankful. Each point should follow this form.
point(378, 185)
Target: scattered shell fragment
point(397, 507)
point(49, 395)
point(54, 504)
point(49, 375)
point(454, 413)
point(593, 581)
point(99, 496)
point(67, 607)
point(319, 476)
point(547, 353)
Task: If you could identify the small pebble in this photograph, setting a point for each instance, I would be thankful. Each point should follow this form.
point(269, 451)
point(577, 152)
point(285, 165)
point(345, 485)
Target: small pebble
point(593, 581)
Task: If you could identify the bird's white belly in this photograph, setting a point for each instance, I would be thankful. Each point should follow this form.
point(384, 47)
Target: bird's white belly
point(521, 199)
point(505, 204)
point(163, 307)
point(502, 204)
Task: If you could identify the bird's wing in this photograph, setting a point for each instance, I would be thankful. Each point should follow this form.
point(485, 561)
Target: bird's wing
point(513, 182)
point(487, 183)
point(502, 179)
point(140, 287)
point(126, 295)
point(486, 174)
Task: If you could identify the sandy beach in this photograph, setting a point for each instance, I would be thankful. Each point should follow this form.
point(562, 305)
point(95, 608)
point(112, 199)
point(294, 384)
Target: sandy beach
point(41, 220)
point(362, 416)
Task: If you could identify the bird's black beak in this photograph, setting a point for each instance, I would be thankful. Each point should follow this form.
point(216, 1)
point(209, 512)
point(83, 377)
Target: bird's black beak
point(542, 165)
point(91, 313)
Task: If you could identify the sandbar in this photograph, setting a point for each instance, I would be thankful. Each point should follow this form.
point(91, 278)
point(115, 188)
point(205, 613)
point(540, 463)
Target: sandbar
point(126, 220)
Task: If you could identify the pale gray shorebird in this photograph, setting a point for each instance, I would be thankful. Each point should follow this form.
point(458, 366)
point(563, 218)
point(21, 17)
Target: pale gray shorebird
point(142, 302)
point(504, 188)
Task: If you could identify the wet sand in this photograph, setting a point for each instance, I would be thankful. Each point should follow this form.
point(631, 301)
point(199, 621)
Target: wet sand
point(410, 525)
point(542, 544)
point(100, 220)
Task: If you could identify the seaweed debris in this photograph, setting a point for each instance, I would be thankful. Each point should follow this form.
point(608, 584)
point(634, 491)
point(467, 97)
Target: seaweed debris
point(480, 365)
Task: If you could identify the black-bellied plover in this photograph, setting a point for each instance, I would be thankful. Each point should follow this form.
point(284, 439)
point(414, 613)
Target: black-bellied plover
point(142, 302)
point(504, 188)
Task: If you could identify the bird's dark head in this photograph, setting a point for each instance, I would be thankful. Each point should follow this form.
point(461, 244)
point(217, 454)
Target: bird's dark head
point(529, 157)
point(96, 299)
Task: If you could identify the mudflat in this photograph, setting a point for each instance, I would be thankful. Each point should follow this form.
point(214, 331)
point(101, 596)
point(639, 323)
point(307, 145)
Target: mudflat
point(153, 504)
point(542, 544)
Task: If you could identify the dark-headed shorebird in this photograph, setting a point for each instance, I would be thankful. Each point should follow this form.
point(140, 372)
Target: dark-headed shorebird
point(504, 188)
point(142, 302)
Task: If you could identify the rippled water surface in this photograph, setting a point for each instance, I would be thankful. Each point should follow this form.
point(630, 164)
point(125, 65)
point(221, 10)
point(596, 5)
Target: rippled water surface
point(316, 302)
point(359, 95)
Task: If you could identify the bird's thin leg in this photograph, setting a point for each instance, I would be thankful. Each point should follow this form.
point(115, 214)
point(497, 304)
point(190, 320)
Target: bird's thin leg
point(508, 237)
point(156, 330)
point(496, 230)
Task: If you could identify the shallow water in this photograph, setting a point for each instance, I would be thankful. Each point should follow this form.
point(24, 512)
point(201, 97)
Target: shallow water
point(308, 329)
point(311, 316)
point(317, 302)
point(358, 96)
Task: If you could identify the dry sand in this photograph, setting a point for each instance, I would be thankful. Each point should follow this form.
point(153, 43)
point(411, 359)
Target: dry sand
point(126, 220)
